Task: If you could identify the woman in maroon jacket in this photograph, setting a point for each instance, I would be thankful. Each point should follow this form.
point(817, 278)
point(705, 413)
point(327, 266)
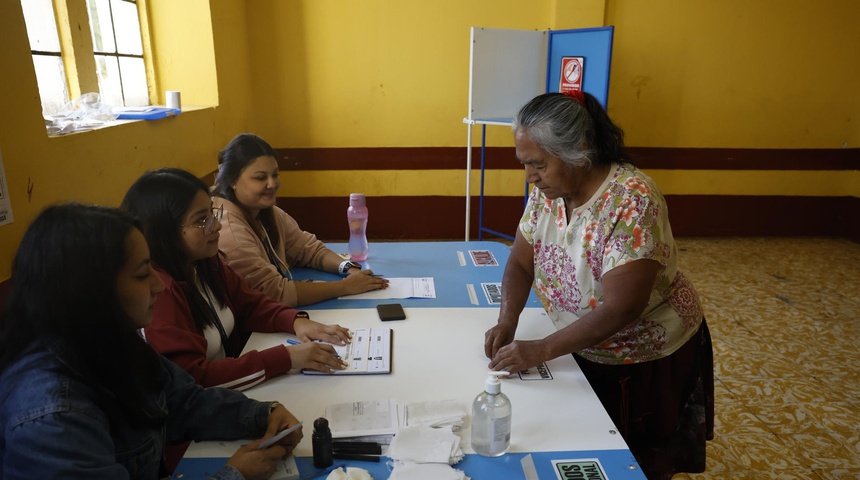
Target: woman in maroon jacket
point(206, 312)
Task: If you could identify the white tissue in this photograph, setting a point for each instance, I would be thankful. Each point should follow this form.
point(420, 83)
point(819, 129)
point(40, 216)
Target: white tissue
point(423, 444)
point(435, 413)
point(351, 473)
point(425, 471)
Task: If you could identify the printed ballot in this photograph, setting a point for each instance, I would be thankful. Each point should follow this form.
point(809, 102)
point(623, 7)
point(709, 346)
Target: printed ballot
point(369, 352)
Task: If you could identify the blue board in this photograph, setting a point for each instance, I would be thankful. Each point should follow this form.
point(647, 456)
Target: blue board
point(616, 464)
point(595, 44)
point(439, 260)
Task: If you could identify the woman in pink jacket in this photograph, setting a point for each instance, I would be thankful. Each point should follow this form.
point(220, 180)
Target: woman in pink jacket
point(262, 242)
point(206, 312)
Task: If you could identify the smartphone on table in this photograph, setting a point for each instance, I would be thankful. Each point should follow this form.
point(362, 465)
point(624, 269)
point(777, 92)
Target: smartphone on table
point(390, 311)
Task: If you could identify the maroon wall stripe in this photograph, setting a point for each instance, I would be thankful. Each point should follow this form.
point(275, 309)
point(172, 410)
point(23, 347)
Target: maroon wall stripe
point(451, 158)
point(442, 218)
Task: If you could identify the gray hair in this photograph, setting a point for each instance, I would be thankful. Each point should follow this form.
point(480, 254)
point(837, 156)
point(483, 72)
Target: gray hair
point(560, 125)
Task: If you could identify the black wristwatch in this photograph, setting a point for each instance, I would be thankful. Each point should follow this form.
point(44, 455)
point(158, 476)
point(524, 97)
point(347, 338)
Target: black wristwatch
point(344, 267)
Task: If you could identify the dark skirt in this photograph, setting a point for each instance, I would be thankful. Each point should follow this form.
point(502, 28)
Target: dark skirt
point(664, 409)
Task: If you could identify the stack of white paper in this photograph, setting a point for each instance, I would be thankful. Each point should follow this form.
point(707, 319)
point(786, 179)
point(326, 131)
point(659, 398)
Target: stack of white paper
point(370, 420)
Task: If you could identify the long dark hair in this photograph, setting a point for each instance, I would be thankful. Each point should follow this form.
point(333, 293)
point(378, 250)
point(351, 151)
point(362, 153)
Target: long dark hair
point(64, 297)
point(160, 199)
point(561, 125)
point(232, 160)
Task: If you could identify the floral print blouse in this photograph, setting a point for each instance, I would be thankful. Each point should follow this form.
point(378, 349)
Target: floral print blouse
point(626, 220)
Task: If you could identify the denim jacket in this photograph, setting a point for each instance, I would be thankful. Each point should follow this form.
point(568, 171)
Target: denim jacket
point(52, 425)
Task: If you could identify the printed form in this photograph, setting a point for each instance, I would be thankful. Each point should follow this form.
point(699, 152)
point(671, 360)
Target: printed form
point(400, 288)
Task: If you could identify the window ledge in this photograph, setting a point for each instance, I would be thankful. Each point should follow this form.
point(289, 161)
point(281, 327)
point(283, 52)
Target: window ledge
point(89, 126)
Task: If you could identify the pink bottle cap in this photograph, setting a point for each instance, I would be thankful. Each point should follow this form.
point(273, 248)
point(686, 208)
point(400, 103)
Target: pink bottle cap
point(356, 200)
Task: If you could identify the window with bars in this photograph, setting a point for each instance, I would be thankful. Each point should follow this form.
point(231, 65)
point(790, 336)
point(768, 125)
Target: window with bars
point(47, 56)
point(117, 47)
point(118, 50)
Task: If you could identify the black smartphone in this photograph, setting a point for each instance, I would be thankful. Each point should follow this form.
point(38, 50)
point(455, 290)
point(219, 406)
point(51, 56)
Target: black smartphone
point(390, 311)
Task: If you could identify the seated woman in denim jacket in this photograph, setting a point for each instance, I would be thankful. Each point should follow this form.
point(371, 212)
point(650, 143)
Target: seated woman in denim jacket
point(84, 396)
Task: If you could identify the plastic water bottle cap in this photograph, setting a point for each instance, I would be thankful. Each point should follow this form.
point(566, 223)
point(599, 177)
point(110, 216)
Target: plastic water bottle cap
point(356, 200)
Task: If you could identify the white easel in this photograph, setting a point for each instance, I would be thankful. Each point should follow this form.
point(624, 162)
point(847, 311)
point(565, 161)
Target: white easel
point(507, 68)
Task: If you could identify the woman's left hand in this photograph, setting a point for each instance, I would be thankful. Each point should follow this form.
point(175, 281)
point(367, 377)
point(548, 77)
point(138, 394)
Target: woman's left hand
point(279, 419)
point(308, 330)
point(518, 355)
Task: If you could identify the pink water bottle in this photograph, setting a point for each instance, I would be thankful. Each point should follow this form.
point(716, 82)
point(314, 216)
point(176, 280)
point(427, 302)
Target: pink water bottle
point(356, 215)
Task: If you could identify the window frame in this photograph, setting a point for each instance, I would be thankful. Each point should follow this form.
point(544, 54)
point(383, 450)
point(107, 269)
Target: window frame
point(78, 53)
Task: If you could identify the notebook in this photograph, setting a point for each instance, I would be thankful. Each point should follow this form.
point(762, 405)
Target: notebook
point(369, 352)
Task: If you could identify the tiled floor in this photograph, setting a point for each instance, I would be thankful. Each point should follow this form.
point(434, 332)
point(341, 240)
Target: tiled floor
point(785, 319)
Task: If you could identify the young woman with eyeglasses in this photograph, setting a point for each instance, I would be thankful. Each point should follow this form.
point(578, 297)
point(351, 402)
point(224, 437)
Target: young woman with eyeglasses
point(203, 318)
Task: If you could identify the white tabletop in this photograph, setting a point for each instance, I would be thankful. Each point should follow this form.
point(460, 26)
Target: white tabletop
point(438, 354)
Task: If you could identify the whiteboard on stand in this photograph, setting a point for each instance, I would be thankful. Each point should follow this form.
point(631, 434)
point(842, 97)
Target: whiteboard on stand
point(507, 69)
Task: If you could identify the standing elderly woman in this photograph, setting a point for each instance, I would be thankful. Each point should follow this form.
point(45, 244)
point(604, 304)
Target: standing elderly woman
point(261, 242)
point(596, 243)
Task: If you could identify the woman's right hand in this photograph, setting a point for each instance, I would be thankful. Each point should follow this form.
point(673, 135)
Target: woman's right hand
point(256, 464)
point(363, 281)
point(321, 357)
point(497, 337)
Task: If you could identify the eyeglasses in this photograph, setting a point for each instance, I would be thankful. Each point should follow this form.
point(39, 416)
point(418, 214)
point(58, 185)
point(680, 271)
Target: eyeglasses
point(208, 223)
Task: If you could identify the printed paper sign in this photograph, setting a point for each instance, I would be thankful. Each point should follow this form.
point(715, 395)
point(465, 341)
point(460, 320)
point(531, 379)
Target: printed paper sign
point(540, 372)
point(483, 258)
point(572, 70)
point(493, 291)
point(5, 203)
point(581, 468)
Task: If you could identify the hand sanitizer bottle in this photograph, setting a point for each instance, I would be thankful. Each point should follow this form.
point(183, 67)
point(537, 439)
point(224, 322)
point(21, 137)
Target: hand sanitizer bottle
point(491, 418)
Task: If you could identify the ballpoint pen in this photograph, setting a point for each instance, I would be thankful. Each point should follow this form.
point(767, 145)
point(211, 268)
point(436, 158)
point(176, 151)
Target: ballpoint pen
point(290, 341)
point(283, 433)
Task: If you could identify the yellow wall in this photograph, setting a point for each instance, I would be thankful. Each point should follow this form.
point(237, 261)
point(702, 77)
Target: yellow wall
point(370, 73)
point(99, 166)
point(737, 73)
point(709, 73)
point(384, 73)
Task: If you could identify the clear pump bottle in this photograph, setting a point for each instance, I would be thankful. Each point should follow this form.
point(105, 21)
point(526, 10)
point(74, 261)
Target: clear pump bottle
point(491, 418)
point(356, 215)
